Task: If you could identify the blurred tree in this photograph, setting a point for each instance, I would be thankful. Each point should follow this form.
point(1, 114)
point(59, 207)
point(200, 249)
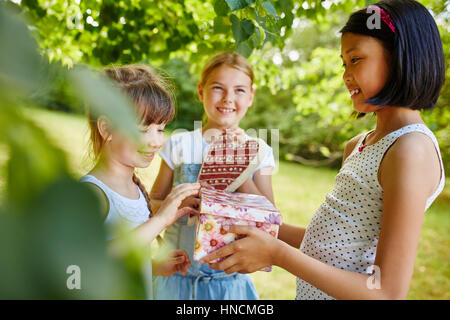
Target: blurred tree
point(189, 108)
point(293, 46)
point(103, 32)
point(48, 221)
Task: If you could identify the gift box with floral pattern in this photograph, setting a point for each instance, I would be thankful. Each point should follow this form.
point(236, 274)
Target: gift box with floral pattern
point(223, 208)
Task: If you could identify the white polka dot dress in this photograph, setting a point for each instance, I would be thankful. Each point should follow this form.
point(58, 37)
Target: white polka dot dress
point(344, 231)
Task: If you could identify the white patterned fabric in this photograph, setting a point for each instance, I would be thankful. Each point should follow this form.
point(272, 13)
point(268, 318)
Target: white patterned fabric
point(344, 231)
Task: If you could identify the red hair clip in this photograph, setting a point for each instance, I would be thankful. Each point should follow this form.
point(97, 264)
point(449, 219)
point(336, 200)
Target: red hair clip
point(386, 17)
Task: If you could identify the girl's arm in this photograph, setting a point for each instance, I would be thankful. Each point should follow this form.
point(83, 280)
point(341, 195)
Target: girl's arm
point(162, 186)
point(262, 185)
point(167, 214)
point(292, 235)
point(409, 174)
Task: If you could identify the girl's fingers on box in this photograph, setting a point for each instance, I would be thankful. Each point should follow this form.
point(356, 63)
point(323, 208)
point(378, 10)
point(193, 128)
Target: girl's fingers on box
point(184, 194)
point(233, 269)
point(184, 211)
point(179, 259)
point(177, 252)
point(189, 189)
point(224, 264)
point(240, 229)
point(206, 185)
point(181, 195)
point(184, 186)
point(222, 252)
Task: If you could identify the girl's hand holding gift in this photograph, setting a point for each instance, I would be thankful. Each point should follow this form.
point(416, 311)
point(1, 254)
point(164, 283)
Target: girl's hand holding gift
point(237, 134)
point(194, 201)
point(206, 185)
point(191, 202)
point(171, 209)
point(226, 92)
point(244, 255)
point(178, 261)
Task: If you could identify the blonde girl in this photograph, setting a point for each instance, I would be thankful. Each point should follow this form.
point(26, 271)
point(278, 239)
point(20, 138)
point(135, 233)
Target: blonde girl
point(226, 91)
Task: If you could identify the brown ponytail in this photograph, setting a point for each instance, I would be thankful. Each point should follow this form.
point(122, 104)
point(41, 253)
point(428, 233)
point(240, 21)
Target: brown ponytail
point(144, 192)
point(147, 198)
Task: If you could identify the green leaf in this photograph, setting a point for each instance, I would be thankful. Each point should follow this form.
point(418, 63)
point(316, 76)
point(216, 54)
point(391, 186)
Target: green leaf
point(248, 27)
point(105, 99)
point(242, 30)
point(19, 57)
point(61, 227)
point(237, 4)
point(244, 48)
point(33, 162)
point(221, 25)
point(288, 20)
point(269, 8)
point(286, 5)
point(221, 8)
point(236, 27)
point(259, 36)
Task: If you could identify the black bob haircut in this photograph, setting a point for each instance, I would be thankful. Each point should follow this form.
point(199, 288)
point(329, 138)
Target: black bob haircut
point(417, 57)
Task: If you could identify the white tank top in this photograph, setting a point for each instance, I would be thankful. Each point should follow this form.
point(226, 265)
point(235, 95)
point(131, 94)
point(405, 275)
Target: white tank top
point(344, 231)
point(122, 210)
point(125, 214)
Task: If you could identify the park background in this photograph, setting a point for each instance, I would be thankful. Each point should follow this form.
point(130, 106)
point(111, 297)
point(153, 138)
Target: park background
point(49, 49)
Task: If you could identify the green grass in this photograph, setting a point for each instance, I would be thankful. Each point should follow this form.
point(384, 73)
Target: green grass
point(299, 190)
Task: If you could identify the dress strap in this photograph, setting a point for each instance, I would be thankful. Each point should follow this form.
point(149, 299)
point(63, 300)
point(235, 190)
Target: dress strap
point(419, 127)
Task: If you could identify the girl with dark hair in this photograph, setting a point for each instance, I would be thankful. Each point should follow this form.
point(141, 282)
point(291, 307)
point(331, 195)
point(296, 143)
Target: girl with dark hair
point(362, 241)
point(126, 203)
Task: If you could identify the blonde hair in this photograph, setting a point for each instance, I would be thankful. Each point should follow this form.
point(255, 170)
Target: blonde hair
point(231, 59)
point(152, 96)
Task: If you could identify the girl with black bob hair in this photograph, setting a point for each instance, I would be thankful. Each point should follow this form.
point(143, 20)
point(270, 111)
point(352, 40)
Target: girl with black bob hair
point(417, 57)
point(362, 241)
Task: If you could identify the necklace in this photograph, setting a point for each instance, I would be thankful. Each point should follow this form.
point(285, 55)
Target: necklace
point(361, 148)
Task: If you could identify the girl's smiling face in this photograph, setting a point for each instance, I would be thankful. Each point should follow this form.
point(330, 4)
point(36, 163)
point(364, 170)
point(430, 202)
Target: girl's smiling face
point(127, 153)
point(226, 96)
point(366, 64)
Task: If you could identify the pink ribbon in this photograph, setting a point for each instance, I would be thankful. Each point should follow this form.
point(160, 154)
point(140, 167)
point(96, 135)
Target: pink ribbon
point(386, 17)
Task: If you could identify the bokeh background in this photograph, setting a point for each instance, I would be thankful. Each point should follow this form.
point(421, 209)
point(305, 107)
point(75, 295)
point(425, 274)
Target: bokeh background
point(49, 56)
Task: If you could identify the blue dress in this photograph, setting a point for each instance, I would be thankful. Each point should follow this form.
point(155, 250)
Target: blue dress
point(200, 282)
